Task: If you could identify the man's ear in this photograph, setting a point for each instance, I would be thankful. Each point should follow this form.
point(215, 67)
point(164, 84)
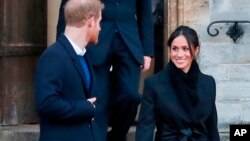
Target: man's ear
point(91, 22)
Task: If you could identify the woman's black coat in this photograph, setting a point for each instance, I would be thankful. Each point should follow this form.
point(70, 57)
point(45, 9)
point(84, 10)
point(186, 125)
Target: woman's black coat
point(161, 107)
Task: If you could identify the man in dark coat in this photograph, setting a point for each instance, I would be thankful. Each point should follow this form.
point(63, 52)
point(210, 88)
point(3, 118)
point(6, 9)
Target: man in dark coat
point(65, 85)
point(125, 47)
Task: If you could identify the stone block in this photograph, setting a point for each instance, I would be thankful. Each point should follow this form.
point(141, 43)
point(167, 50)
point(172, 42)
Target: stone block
point(198, 8)
point(224, 136)
point(211, 54)
point(233, 90)
point(224, 53)
point(229, 112)
point(245, 116)
point(219, 72)
point(239, 72)
point(229, 9)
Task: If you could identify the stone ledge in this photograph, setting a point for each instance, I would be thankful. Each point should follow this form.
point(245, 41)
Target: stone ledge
point(31, 133)
point(19, 133)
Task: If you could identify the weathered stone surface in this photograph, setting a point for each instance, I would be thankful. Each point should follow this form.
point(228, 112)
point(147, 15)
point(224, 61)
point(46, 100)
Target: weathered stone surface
point(19, 133)
point(218, 71)
point(195, 12)
point(224, 53)
point(229, 112)
point(22, 39)
point(31, 133)
point(17, 95)
point(224, 136)
point(230, 9)
point(245, 116)
point(233, 90)
point(240, 72)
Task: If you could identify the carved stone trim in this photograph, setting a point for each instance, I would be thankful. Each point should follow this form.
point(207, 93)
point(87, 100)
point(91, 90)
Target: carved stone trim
point(174, 14)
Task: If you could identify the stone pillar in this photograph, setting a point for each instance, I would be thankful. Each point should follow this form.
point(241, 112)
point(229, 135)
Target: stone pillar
point(174, 15)
point(53, 10)
point(23, 36)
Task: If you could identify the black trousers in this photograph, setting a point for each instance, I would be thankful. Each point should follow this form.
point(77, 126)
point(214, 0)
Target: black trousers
point(123, 86)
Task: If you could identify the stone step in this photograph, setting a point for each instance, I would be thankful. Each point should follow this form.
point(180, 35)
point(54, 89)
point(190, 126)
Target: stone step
point(19, 133)
point(31, 133)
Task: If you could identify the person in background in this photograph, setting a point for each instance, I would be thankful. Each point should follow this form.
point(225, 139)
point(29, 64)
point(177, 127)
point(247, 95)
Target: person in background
point(158, 22)
point(61, 19)
point(125, 48)
point(65, 85)
point(180, 100)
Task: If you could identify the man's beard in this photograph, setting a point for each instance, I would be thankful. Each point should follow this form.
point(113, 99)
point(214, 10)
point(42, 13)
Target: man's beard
point(94, 39)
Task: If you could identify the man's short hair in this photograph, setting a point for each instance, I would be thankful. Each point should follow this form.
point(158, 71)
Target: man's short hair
point(78, 11)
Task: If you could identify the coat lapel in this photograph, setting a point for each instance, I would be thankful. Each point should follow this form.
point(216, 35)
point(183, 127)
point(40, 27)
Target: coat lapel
point(66, 44)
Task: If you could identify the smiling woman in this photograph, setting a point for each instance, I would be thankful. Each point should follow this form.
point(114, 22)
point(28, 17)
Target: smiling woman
point(180, 100)
point(184, 47)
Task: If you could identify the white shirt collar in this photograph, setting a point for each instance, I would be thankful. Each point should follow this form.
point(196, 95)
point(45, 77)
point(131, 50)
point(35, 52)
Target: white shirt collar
point(77, 49)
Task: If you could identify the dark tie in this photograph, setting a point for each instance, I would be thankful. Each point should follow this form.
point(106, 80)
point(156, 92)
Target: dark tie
point(85, 70)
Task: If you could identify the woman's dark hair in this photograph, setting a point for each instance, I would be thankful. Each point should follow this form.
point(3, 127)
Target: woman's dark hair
point(189, 33)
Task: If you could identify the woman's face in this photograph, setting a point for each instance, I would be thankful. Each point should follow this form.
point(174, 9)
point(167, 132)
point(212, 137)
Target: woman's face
point(180, 53)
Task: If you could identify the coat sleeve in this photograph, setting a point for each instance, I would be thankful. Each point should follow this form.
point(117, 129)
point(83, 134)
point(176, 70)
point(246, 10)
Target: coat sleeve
point(146, 121)
point(212, 121)
point(49, 86)
point(145, 23)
